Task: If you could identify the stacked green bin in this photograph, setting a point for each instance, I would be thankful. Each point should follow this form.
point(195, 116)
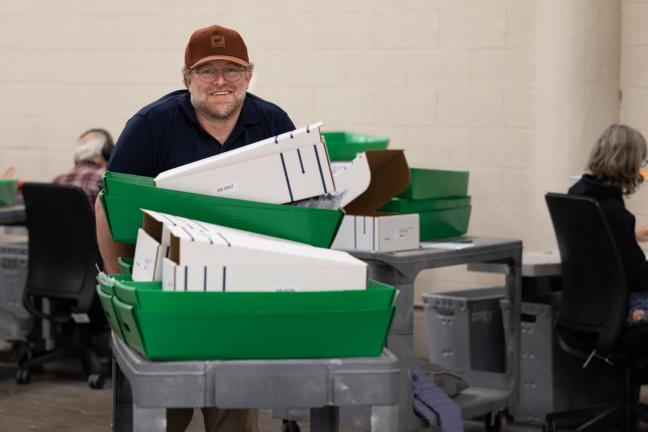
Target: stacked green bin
point(106, 292)
point(440, 198)
point(344, 146)
point(174, 325)
point(125, 194)
point(125, 265)
point(8, 189)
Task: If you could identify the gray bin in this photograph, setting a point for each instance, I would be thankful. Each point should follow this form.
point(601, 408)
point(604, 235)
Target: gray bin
point(465, 331)
point(551, 379)
point(13, 276)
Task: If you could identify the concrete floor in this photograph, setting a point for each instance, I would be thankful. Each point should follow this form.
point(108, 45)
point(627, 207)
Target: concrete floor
point(59, 399)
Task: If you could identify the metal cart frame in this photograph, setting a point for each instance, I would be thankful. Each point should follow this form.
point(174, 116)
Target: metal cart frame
point(142, 390)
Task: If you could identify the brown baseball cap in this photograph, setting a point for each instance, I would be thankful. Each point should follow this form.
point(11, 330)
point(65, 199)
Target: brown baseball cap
point(215, 43)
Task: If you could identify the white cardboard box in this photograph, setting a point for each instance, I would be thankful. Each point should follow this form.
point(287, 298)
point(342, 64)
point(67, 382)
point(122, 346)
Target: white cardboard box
point(282, 169)
point(369, 182)
point(203, 256)
point(378, 233)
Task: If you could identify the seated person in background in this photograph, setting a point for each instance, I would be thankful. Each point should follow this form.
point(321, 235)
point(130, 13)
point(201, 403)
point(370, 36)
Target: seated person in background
point(9, 172)
point(91, 155)
point(613, 167)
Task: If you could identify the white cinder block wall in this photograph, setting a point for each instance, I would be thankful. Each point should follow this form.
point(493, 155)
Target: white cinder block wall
point(634, 84)
point(459, 84)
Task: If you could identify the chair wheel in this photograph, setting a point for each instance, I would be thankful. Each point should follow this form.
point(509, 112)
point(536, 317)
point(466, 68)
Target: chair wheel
point(23, 376)
point(96, 381)
point(290, 426)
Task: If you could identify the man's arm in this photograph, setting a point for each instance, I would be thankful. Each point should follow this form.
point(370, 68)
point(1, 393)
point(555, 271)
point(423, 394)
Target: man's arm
point(110, 250)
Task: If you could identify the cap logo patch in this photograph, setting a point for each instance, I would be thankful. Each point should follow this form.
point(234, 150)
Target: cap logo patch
point(218, 41)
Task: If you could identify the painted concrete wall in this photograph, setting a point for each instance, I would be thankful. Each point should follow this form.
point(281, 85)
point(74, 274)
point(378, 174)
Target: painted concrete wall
point(515, 91)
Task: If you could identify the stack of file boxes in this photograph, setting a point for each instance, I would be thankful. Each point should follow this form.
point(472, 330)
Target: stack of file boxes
point(440, 197)
point(165, 323)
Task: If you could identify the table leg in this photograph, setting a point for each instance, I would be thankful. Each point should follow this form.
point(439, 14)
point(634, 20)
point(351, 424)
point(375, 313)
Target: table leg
point(325, 419)
point(149, 419)
point(384, 418)
point(122, 416)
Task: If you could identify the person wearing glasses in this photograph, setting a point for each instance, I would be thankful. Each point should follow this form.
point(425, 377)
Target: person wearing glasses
point(91, 155)
point(614, 171)
point(213, 115)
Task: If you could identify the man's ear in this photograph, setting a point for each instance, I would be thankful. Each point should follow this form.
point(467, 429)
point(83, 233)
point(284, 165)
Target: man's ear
point(186, 80)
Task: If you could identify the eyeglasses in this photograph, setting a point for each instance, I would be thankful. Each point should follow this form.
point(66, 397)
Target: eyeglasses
point(229, 74)
point(644, 164)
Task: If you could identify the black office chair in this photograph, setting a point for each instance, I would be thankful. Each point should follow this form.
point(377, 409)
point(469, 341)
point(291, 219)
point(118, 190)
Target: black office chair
point(592, 314)
point(62, 269)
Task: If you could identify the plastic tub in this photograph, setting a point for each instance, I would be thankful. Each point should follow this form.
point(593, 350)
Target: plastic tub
point(167, 325)
point(344, 146)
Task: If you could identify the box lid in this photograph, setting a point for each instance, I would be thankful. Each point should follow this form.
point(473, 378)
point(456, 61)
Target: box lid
point(389, 177)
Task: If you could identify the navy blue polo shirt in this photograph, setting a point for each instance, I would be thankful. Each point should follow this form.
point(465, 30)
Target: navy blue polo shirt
point(166, 134)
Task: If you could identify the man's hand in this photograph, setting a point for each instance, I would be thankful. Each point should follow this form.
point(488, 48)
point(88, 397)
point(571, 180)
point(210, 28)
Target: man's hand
point(109, 249)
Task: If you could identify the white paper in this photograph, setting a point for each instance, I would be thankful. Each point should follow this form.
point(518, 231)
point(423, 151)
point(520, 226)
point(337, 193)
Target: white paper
point(147, 263)
point(447, 245)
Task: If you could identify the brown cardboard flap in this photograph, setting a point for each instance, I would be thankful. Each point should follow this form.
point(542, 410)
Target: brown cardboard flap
point(389, 177)
point(174, 249)
point(152, 226)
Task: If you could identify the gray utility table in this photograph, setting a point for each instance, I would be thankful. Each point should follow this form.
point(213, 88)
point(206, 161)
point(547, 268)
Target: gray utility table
point(142, 390)
point(400, 269)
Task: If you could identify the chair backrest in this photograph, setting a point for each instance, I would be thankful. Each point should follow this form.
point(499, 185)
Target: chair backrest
point(595, 294)
point(63, 252)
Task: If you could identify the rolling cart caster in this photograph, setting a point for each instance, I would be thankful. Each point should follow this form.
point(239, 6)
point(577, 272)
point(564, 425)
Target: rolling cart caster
point(496, 422)
point(549, 427)
point(96, 381)
point(23, 376)
point(289, 426)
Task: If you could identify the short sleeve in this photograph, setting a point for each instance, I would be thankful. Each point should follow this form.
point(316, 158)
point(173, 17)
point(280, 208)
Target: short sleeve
point(135, 150)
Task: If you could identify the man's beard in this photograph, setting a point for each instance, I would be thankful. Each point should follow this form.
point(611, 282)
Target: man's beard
point(212, 112)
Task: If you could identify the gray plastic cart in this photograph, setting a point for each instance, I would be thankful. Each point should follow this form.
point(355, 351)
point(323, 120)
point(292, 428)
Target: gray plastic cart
point(142, 390)
point(400, 269)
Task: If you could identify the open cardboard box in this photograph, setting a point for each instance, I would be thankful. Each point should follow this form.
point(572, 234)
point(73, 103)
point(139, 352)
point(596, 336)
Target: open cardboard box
point(188, 255)
point(289, 167)
point(381, 174)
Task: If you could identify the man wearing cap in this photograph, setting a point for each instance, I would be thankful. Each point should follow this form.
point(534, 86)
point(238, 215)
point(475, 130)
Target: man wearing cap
point(213, 115)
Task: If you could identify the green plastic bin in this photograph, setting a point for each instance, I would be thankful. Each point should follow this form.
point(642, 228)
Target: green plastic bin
point(126, 194)
point(8, 189)
point(438, 218)
point(166, 325)
point(105, 291)
point(125, 265)
point(431, 183)
point(450, 222)
point(401, 205)
point(344, 146)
